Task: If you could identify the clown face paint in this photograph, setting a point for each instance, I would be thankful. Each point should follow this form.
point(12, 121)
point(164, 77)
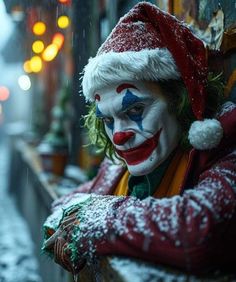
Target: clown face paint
point(138, 123)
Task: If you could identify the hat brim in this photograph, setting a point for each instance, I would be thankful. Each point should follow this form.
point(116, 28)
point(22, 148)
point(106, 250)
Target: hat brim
point(112, 67)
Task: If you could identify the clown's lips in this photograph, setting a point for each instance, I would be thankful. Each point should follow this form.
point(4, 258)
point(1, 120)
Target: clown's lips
point(137, 155)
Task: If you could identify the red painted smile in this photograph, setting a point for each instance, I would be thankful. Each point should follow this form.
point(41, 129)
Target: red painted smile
point(139, 154)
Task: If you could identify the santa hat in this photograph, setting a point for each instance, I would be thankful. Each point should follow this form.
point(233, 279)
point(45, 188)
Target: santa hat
point(149, 44)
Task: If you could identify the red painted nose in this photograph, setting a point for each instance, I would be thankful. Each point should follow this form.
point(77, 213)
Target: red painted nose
point(120, 138)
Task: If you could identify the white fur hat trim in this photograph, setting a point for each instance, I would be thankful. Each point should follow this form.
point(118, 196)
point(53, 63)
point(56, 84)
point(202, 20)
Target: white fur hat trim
point(112, 67)
point(205, 134)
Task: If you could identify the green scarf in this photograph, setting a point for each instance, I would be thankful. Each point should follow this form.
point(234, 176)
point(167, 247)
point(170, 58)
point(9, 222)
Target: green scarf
point(145, 185)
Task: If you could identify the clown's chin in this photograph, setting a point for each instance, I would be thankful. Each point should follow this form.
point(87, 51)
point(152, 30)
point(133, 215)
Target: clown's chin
point(145, 167)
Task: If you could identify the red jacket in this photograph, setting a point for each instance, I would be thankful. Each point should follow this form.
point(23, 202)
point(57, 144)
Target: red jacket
point(195, 231)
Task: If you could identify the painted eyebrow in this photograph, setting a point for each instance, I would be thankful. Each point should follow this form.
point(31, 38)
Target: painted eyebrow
point(125, 86)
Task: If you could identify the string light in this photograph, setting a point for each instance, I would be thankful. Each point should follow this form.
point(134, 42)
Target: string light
point(50, 52)
point(63, 22)
point(64, 1)
point(38, 46)
point(24, 82)
point(39, 28)
point(58, 39)
point(4, 93)
point(36, 64)
point(26, 66)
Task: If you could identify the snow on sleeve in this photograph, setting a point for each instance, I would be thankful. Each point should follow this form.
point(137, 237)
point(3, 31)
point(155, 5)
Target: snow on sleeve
point(198, 210)
point(53, 221)
point(158, 229)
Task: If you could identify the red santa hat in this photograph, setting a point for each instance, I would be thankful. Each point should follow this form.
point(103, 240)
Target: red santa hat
point(149, 44)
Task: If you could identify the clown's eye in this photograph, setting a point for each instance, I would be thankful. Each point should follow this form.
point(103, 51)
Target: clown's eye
point(108, 120)
point(136, 110)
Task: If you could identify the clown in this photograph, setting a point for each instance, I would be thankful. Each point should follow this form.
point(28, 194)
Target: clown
point(166, 192)
point(138, 123)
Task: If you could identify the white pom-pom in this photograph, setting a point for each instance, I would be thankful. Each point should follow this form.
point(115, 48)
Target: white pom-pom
point(205, 134)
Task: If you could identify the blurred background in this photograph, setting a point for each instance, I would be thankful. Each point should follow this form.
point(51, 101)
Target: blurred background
point(44, 46)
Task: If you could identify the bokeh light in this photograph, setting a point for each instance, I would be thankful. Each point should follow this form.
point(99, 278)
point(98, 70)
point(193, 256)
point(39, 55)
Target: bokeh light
point(36, 64)
point(27, 67)
point(50, 52)
point(39, 28)
point(4, 93)
point(24, 82)
point(63, 22)
point(64, 1)
point(38, 46)
point(58, 39)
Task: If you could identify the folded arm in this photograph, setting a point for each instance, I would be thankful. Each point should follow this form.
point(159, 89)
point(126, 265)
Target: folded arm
point(193, 231)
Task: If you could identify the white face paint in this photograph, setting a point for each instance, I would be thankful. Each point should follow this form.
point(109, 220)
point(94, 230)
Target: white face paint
point(138, 123)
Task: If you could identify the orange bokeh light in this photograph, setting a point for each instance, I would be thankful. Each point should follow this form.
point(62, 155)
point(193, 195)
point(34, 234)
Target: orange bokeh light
point(58, 39)
point(36, 64)
point(37, 46)
point(63, 22)
point(26, 66)
point(64, 1)
point(4, 93)
point(39, 28)
point(50, 52)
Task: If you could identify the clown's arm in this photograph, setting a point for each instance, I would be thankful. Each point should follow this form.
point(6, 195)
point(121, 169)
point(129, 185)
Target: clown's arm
point(194, 231)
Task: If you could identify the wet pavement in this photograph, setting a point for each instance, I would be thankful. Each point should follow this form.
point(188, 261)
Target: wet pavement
point(17, 261)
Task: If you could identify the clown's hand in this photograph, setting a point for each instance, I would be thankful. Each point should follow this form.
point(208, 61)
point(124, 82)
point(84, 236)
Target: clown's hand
point(59, 235)
point(58, 244)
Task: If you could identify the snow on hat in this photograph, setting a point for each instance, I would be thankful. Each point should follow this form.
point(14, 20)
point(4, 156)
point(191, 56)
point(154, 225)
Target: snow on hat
point(151, 45)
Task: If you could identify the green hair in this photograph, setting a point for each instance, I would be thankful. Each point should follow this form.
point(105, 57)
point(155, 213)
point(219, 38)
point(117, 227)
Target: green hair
point(179, 104)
